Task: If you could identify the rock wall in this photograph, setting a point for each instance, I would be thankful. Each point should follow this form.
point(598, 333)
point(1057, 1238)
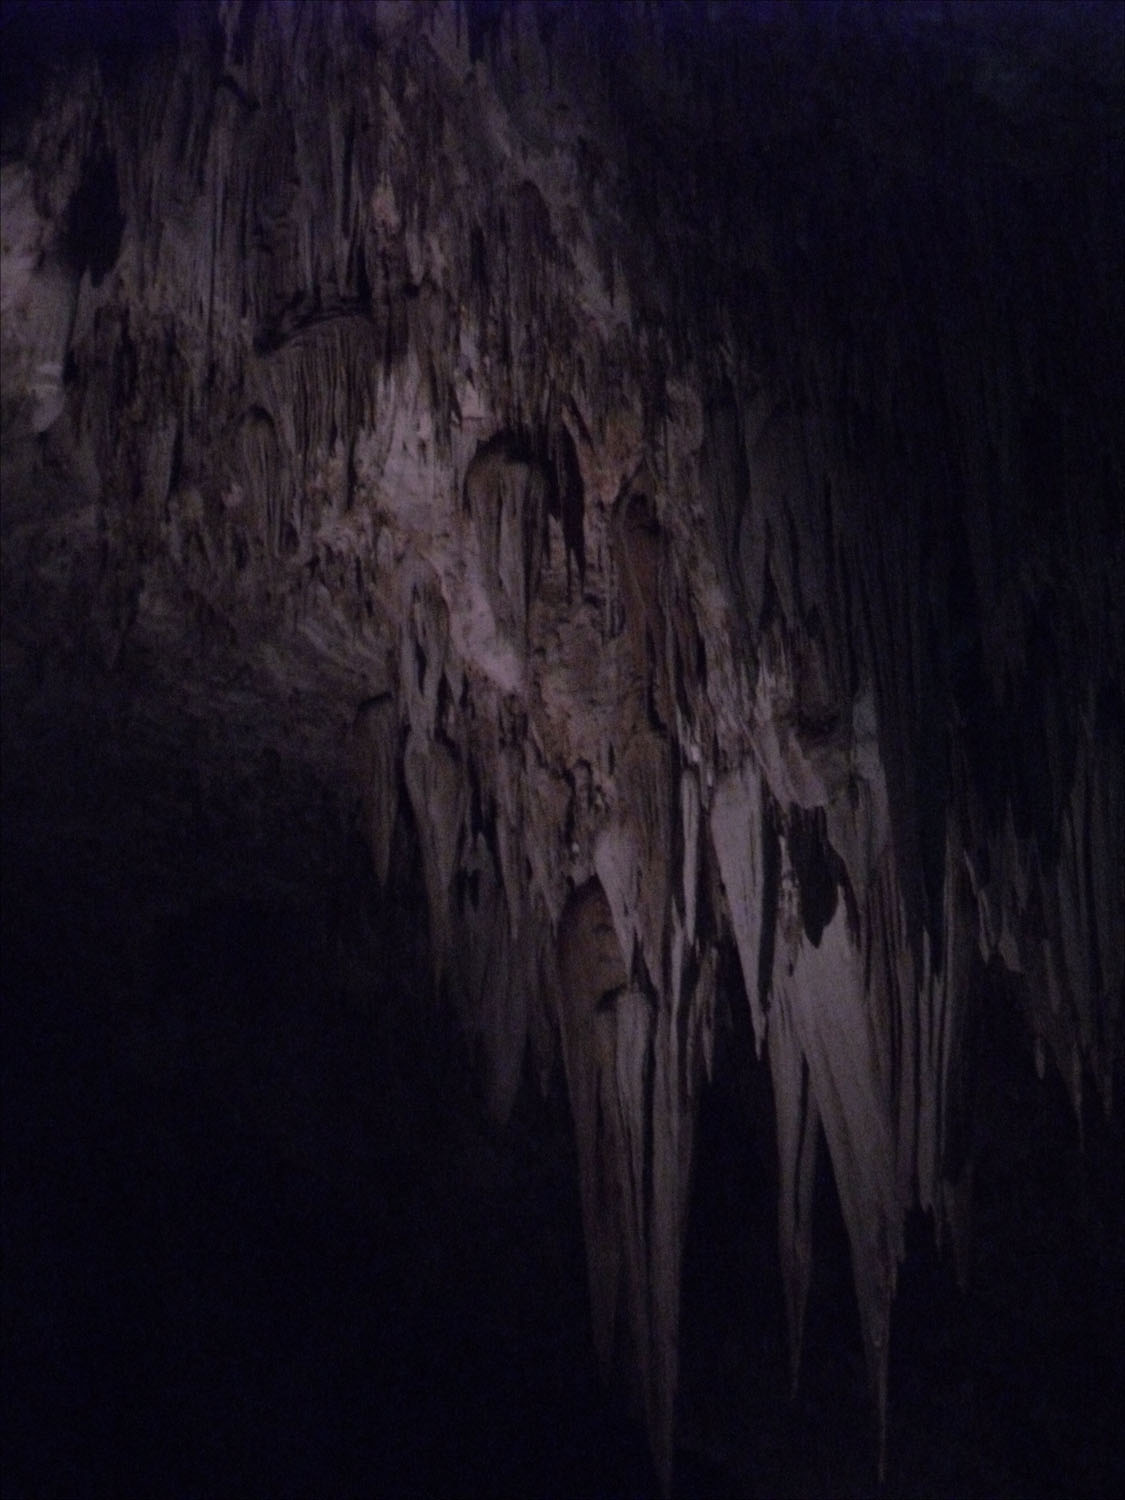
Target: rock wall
point(669, 458)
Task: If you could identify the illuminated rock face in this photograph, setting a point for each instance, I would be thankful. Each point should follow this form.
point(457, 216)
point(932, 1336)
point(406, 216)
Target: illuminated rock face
point(672, 466)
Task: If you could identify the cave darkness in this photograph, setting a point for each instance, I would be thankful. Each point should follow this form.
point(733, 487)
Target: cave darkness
point(352, 354)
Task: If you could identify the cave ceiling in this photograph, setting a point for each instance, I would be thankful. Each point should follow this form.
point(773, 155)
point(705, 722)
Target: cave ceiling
point(669, 459)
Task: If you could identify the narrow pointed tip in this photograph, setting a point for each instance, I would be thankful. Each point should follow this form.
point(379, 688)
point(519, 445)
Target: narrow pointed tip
point(881, 1418)
point(795, 1342)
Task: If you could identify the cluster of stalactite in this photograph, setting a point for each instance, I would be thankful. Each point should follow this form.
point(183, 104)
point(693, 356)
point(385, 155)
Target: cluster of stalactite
point(697, 436)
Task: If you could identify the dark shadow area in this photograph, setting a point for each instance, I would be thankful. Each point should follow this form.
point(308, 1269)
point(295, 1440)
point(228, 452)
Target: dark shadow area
point(257, 1242)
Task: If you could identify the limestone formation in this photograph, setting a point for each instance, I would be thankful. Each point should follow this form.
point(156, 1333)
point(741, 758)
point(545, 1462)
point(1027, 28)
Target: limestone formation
point(667, 460)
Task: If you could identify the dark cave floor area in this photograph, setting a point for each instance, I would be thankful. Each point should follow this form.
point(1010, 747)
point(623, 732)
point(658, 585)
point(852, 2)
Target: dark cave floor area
point(256, 1243)
point(260, 1239)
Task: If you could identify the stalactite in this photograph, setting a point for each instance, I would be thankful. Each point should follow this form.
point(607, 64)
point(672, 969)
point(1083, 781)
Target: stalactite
point(716, 551)
point(798, 1128)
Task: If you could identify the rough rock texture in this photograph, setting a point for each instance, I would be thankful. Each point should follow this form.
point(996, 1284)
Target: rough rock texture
point(659, 467)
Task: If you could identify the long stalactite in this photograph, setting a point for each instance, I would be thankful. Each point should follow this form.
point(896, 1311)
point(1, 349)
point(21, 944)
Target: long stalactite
point(681, 454)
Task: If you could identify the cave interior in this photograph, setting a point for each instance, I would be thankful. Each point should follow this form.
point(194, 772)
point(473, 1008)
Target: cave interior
point(563, 748)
